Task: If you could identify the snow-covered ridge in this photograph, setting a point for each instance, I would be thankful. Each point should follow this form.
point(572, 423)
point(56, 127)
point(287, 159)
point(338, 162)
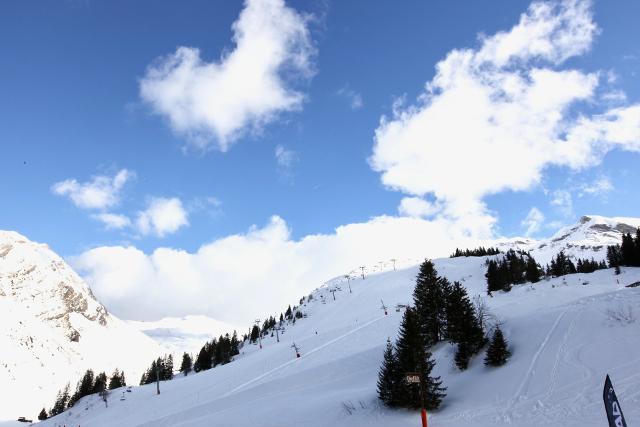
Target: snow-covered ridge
point(52, 328)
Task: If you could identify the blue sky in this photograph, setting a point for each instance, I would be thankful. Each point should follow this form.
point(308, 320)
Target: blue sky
point(73, 108)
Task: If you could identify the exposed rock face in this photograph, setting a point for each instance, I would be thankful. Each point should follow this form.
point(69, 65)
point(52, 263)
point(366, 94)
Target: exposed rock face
point(52, 328)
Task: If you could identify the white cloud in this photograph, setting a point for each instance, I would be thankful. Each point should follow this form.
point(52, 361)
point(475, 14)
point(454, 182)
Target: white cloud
point(417, 207)
point(257, 273)
point(353, 98)
point(493, 118)
point(163, 216)
point(563, 201)
point(285, 158)
point(533, 221)
point(101, 192)
point(113, 221)
point(598, 187)
point(614, 96)
point(214, 102)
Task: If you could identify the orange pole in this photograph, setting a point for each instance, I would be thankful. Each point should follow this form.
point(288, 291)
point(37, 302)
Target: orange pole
point(424, 417)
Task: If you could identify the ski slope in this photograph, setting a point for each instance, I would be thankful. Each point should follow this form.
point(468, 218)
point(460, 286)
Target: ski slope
point(566, 334)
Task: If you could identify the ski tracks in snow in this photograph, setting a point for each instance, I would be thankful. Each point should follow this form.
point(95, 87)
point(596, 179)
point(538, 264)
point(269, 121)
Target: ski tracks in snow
point(306, 355)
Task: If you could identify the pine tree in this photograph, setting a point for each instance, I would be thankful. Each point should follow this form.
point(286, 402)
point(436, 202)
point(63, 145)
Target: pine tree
point(255, 333)
point(413, 356)
point(187, 364)
point(637, 248)
point(167, 368)
point(388, 377)
point(533, 270)
point(42, 415)
point(100, 383)
point(429, 297)
point(493, 284)
point(116, 380)
point(628, 250)
point(498, 353)
point(463, 355)
point(463, 326)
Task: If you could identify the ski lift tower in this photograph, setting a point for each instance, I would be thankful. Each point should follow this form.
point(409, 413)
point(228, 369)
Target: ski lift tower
point(277, 329)
point(333, 292)
point(259, 333)
point(393, 260)
point(346, 276)
point(296, 349)
point(362, 267)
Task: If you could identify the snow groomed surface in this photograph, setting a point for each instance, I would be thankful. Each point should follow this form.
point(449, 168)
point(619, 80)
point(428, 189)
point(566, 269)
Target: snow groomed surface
point(566, 334)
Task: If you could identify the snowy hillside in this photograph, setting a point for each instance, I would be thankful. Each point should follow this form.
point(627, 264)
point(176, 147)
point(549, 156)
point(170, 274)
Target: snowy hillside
point(588, 238)
point(189, 333)
point(566, 334)
point(52, 329)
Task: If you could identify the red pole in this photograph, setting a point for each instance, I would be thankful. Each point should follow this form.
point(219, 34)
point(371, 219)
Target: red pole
point(424, 417)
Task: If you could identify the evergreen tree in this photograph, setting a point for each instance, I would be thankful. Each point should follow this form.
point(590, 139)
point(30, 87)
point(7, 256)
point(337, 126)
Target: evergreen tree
point(84, 387)
point(167, 368)
point(637, 248)
point(628, 250)
point(42, 415)
point(614, 257)
point(463, 326)
point(429, 297)
point(100, 383)
point(255, 333)
point(463, 355)
point(498, 352)
point(116, 380)
point(187, 364)
point(388, 377)
point(413, 356)
point(533, 270)
point(287, 314)
point(61, 403)
point(493, 283)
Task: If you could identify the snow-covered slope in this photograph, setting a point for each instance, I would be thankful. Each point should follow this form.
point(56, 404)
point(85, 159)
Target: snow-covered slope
point(52, 329)
point(180, 334)
point(565, 333)
point(588, 238)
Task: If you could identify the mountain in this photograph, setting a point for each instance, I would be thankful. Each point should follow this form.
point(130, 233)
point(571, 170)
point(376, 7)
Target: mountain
point(52, 329)
point(180, 334)
point(565, 333)
point(588, 238)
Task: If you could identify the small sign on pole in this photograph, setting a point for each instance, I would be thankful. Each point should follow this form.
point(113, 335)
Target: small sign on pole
point(412, 377)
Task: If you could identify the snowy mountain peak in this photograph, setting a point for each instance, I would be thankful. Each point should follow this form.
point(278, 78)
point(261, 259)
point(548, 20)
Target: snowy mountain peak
point(588, 238)
point(44, 285)
point(52, 328)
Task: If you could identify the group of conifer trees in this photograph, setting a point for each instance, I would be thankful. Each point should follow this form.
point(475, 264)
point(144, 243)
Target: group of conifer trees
point(217, 352)
point(517, 267)
point(514, 268)
point(442, 312)
point(481, 251)
point(89, 384)
point(626, 254)
point(160, 369)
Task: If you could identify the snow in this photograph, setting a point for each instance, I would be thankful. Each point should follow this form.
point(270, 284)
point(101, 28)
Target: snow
point(566, 334)
point(44, 305)
point(562, 332)
point(180, 334)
